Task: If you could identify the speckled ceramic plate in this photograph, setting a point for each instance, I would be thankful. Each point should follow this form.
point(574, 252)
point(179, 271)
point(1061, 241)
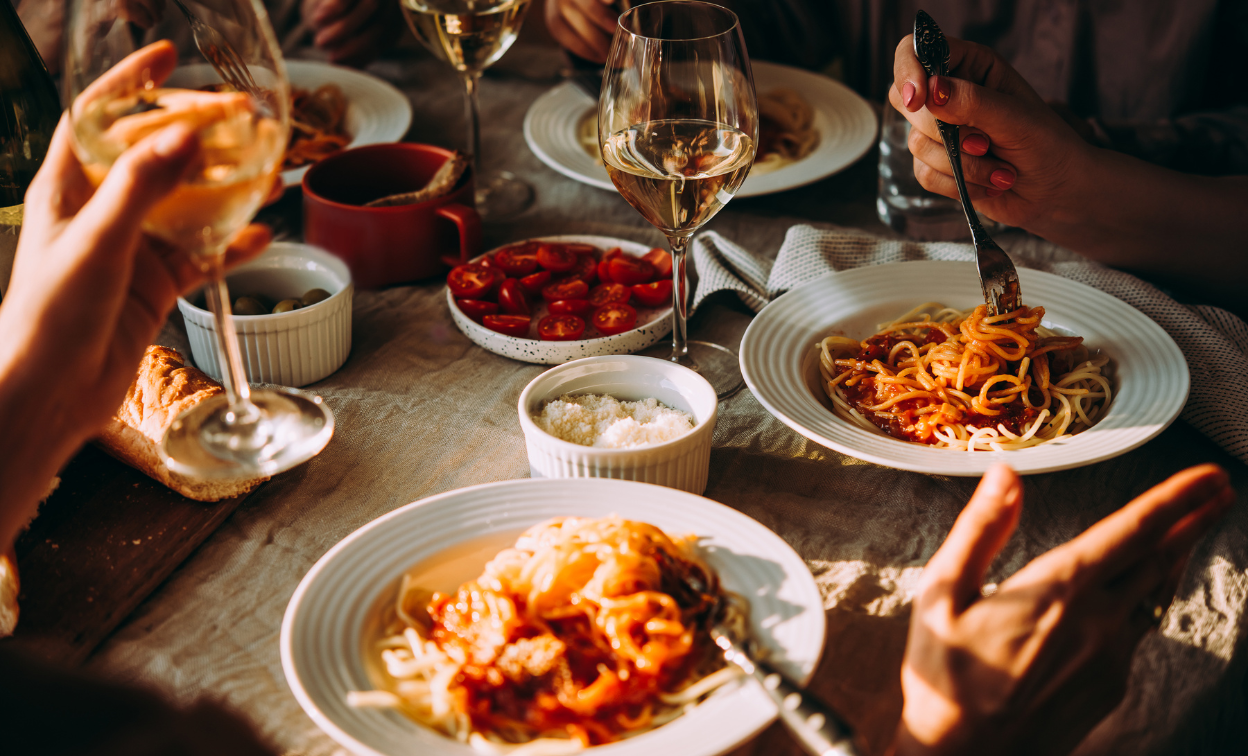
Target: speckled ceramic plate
point(327, 622)
point(781, 366)
point(376, 111)
point(846, 123)
point(653, 323)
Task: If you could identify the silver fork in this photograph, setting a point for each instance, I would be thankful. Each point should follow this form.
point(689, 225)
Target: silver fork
point(816, 726)
point(220, 53)
point(997, 275)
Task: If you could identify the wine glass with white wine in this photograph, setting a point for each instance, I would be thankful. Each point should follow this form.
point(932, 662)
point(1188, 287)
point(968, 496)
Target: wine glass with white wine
point(678, 124)
point(471, 35)
point(123, 94)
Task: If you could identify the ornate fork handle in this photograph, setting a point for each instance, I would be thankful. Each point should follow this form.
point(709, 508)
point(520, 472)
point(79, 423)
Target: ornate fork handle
point(949, 135)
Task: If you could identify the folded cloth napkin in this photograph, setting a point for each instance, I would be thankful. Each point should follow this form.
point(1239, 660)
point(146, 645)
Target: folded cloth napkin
point(1214, 341)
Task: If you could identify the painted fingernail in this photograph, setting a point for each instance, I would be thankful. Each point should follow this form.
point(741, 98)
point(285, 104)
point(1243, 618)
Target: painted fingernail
point(907, 94)
point(940, 91)
point(1002, 178)
point(993, 192)
point(975, 144)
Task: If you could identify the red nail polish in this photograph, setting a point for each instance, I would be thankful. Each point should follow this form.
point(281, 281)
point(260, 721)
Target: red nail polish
point(993, 192)
point(975, 144)
point(940, 91)
point(1002, 178)
point(907, 94)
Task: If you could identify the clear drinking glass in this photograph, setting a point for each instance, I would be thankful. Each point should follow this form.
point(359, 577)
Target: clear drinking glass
point(121, 93)
point(678, 125)
point(901, 202)
point(471, 35)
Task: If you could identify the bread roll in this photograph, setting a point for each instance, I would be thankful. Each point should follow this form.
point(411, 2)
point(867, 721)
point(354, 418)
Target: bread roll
point(8, 593)
point(164, 388)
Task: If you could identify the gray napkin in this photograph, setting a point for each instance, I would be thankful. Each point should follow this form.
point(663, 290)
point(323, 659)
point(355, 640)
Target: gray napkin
point(1214, 341)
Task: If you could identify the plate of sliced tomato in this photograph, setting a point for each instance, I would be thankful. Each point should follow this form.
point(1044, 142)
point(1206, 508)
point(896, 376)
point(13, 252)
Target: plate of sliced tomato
point(558, 298)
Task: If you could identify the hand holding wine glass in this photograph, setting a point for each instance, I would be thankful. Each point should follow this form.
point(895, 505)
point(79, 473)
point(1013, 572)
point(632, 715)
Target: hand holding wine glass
point(123, 98)
point(678, 123)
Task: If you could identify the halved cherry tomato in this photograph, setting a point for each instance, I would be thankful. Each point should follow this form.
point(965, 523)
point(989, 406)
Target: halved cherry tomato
point(472, 281)
point(586, 269)
point(476, 308)
point(511, 298)
point(555, 257)
point(572, 288)
point(582, 249)
point(609, 293)
point(570, 307)
point(561, 328)
point(630, 270)
point(604, 266)
point(533, 284)
point(614, 318)
point(650, 295)
point(661, 260)
point(517, 260)
point(510, 325)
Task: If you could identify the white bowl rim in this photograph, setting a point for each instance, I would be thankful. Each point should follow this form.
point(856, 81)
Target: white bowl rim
point(317, 253)
point(527, 424)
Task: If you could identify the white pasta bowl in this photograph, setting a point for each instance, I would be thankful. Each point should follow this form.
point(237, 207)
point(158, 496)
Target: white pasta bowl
point(290, 348)
point(780, 363)
point(326, 630)
point(680, 463)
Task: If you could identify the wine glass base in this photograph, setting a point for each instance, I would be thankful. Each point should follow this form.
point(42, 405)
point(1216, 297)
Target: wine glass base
point(718, 365)
point(501, 196)
point(292, 427)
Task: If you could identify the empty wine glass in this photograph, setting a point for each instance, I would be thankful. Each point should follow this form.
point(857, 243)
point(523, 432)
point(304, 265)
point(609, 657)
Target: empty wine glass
point(121, 94)
point(678, 124)
point(471, 35)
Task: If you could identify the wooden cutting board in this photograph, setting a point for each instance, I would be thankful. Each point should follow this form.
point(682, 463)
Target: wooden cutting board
point(105, 539)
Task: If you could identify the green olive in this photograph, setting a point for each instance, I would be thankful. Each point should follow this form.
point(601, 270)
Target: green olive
point(287, 305)
point(312, 296)
point(249, 306)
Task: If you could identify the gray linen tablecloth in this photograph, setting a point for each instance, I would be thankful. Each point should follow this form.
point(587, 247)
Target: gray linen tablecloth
point(421, 410)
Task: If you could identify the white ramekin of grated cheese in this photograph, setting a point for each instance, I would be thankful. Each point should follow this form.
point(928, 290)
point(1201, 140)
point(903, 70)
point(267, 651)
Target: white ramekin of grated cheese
point(679, 462)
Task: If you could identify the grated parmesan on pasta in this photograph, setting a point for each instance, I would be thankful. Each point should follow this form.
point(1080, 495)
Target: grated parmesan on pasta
point(606, 423)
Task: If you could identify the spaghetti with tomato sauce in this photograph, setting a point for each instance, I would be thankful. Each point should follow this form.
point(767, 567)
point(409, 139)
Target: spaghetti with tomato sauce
point(585, 632)
point(966, 380)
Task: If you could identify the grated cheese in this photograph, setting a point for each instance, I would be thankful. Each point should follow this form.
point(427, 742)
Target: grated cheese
point(605, 422)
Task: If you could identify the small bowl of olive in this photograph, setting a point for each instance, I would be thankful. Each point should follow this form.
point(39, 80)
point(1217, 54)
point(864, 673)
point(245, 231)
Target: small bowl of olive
point(292, 314)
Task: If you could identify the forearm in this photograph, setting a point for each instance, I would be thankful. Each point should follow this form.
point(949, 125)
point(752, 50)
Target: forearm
point(39, 433)
point(1180, 228)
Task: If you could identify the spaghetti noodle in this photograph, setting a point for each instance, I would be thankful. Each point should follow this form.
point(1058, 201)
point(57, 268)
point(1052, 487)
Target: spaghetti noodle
point(317, 125)
point(586, 631)
point(966, 380)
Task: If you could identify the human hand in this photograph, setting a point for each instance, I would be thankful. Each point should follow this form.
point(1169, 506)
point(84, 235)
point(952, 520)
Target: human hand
point(89, 292)
point(583, 27)
point(352, 32)
point(1034, 666)
point(1021, 160)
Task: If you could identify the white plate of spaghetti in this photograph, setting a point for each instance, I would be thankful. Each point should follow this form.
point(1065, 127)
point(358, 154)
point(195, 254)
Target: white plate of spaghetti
point(894, 364)
point(391, 650)
point(332, 109)
point(812, 127)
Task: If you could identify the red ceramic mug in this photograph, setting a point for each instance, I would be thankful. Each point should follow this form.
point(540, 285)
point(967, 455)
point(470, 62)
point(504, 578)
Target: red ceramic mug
point(386, 245)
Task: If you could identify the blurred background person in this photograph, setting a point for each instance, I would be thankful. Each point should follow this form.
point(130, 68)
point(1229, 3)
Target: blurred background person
point(1154, 79)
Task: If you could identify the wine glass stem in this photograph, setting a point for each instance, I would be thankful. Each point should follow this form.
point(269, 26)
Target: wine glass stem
point(472, 119)
point(680, 300)
point(230, 360)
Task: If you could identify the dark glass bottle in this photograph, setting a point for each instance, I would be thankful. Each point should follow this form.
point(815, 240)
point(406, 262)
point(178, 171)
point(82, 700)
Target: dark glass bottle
point(29, 110)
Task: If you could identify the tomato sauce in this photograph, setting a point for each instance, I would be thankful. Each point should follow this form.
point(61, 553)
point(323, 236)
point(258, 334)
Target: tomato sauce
point(902, 420)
